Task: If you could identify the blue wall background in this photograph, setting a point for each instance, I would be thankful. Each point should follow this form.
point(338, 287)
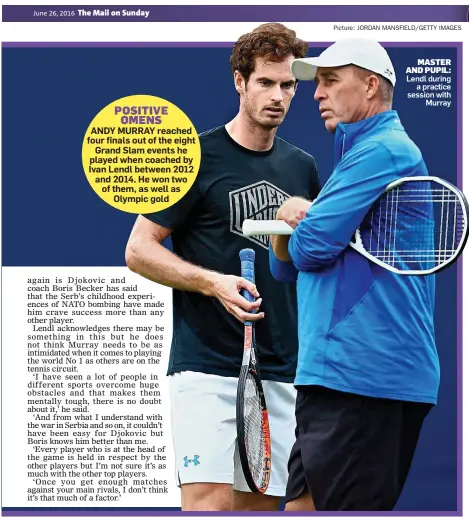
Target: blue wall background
point(51, 217)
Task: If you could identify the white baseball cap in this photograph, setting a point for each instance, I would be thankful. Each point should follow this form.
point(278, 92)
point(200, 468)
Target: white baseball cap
point(361, 52)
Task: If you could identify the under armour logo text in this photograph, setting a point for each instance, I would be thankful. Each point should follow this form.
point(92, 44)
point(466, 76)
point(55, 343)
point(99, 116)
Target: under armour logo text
point(195, 461)
point(257, 201)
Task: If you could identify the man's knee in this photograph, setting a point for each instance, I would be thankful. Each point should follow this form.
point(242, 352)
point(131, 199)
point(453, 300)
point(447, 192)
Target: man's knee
point(206, 496)
point(249, 501)
point(301, 503)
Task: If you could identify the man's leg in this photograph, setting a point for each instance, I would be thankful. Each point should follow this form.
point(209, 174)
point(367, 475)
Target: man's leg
point(206, 496)
point(350, 447)
point(280, 400)
point(303, 503)
point(413, 417)
point(203, 410)
point(298, 497)
point(249, 501)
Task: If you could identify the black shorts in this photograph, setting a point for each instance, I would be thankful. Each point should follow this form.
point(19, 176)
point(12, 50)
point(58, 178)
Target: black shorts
point(352, 452)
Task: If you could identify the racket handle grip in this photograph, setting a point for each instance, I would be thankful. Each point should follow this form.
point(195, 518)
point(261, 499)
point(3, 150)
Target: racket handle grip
point(247, 256)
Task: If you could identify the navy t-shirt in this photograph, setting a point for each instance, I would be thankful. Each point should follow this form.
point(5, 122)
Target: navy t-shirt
point(234, 184)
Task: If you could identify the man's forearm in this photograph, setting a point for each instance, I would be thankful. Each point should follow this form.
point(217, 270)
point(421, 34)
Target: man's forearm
point(291, 211)
point(160, 265)
point(280, 247)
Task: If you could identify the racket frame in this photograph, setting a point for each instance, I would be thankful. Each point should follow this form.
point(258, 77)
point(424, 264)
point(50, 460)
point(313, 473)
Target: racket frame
point(357, 243)
point(250, 366)
point(273, 227)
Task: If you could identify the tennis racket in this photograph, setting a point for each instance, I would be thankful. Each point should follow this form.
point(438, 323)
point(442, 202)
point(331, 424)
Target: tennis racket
point(418, 226)
point(252, 420)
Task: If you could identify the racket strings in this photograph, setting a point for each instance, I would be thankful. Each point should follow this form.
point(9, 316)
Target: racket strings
point(416, 226)
point(254, 431)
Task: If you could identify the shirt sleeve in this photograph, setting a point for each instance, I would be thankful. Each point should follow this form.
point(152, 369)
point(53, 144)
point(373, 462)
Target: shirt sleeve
point(174, 216)
point(281, 270)
point(315, 187)
point(359, 179)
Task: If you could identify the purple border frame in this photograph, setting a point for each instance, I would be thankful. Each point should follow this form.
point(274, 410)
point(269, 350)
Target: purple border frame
point(459, 364)
point(243, 13)
point(147, 513)
point(457, 45)
point(62, 512)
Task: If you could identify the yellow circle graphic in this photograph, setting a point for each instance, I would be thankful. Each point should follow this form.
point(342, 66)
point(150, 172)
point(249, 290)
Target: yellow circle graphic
point(141, 154)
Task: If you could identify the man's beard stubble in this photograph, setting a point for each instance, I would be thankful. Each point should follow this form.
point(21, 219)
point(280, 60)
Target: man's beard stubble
point(256, 122)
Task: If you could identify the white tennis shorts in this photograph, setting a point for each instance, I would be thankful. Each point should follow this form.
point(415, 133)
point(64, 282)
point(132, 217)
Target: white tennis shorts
point(203, 417)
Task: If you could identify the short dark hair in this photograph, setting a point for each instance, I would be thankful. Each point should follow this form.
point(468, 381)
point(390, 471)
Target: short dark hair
point(273, 42)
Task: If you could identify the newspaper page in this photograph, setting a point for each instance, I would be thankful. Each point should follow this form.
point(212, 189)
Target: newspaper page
point(103, 107)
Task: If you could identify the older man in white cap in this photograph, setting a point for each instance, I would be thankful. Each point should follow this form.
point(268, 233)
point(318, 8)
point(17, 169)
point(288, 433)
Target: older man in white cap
point(368, 370)
point(365, 75)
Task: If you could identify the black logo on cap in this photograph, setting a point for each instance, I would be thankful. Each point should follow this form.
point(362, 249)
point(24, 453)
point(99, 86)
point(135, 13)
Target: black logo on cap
point(388, 72)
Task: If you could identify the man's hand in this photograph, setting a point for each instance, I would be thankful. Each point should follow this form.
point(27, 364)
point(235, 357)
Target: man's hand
point(293, 210)
point(226, 288)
